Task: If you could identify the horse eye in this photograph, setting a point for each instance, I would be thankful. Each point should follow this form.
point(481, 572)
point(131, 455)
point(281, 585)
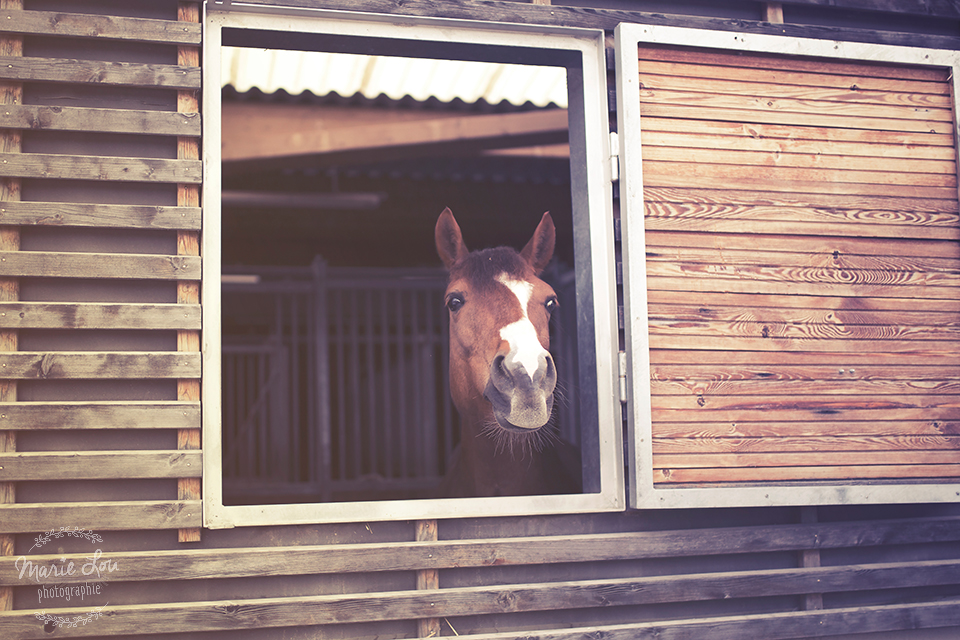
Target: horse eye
point(552, 304)
point(455, 303)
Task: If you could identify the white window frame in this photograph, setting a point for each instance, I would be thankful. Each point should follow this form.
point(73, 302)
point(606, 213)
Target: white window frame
point(642, 492)
point(593, 219)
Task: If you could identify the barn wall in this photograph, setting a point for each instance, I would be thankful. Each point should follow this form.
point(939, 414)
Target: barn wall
point(97, 306)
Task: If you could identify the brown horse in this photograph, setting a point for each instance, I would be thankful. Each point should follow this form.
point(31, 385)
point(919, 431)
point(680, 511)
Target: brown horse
point(502, 376)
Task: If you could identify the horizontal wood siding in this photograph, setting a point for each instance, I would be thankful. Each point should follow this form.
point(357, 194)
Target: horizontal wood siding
point(803, 268)
point(98, 267)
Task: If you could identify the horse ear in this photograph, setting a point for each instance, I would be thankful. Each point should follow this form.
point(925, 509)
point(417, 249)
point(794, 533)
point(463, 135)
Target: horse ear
point(540, 248)
point(449, 240)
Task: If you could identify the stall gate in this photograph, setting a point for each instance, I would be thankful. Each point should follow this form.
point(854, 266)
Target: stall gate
point(365, 412)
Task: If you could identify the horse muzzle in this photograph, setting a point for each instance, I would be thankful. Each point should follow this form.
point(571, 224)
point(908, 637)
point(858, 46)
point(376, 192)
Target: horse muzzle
point(521, 402)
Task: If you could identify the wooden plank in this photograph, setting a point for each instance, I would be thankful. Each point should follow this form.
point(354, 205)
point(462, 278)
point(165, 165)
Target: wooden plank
point(125, 216)
point(100, 415)
point(799, 160)
point(852, 386)
point(774, 371)
point(188, 244)
point(132, 74)
point(41, 165)
point(827, 404)
point(659, 130)
point(747, 79)
point(791, 409)
point(805, 444)
point(943, 310)
point(11, 93)
point(496, 599)
point(25, 365)
point(940, 473)
point(780, 198)
point(57, 118)
point(98, 27)
point(839, 319)
point(800, 228)
point(749, 110)
point(426, 531)
point(107, 465)
point(809, 259)
point(95, 315)
point(840, 360)
point(796, 140)
point(100, 516)
point(50, 264)
point(774, 175)
point(759, 284)
point(859, 70)
point(936, 460)
point(665, 174)
point(768, 427)
point(245, 562)
point(887, 337)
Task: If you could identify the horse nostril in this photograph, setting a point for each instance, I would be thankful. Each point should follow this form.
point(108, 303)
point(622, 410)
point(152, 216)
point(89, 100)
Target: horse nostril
point(499, 365)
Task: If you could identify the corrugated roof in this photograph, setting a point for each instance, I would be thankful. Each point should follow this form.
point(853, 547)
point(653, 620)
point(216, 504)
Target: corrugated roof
point(371, 76)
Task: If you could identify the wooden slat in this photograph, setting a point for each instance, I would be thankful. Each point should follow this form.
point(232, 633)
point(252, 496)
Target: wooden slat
point(841, 360)
point(832, 336)
point(912, 461)
point(798, 85)
point(126, 216)
point(98, 27)
point(796, 64)
point(40, 165)
point(773, 283)
point(110, 465)
point(199, 564)
point(846, 474)
point(808, 259)
point(775, 371)
point(806, 444)
point(48, 118)
point(801, 228)
point(791, 409)
point(100, 415)
point(497, 599)
point(766, 426)
point(98, 265)
point(836, 319)
point(851, 386)
point(98, 365)
point(942, 309)
point(100, 516)
point(95, 315)
point(665, 104)
point(131, 74)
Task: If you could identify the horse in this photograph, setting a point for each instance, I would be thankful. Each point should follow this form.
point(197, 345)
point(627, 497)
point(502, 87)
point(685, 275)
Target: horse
point(502, 376)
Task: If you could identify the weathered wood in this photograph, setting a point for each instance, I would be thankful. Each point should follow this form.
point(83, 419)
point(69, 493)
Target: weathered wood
point(98, 27)
point(188, 244)
point(852, 385)
point(72, 214)
point(132, 74)
point(40, 165)
point(887, 337)
point(97, 365)
point(837, 319)
point(199, 564)
point(825, 260)
point(911, 460)
point(776, 371)
point(800, 227)
point(790, 409)
point(779, 198)
point(95, 315)
point(110, 465)
point(100, 516)
point(100, 415)
point(773, 281)
point(497, 599)
point(57, 118)
point(426, 531)
point(839, 360)
point(608, 19)
point(98, 265)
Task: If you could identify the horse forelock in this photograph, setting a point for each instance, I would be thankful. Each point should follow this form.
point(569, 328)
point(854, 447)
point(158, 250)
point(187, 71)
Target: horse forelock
point(481, 269)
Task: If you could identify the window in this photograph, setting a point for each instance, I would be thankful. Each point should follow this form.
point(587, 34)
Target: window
point(295, 346)
point(790, 238)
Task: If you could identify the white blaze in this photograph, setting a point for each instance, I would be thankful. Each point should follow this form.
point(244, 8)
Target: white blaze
point(525, 347)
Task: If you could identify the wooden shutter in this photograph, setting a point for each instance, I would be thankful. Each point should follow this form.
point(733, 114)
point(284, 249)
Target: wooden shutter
point(802, 269)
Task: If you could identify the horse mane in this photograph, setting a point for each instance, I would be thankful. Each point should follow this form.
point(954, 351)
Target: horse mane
point(481, 268)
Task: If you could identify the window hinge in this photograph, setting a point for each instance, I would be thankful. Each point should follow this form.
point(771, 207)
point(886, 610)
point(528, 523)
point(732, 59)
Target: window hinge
point(614, 157)
point(623, 376)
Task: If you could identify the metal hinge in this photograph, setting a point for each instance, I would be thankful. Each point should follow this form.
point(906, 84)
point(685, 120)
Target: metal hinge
point(623, 376)
point(614, 157)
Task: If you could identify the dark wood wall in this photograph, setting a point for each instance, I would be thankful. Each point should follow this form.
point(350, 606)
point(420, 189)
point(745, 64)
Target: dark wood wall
point(98, 322)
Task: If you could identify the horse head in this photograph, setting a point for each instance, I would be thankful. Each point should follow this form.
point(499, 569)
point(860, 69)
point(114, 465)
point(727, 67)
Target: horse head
point(502, 376)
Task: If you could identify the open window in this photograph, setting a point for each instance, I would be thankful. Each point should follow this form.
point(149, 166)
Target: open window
point(324, 389)
point(790, 238)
